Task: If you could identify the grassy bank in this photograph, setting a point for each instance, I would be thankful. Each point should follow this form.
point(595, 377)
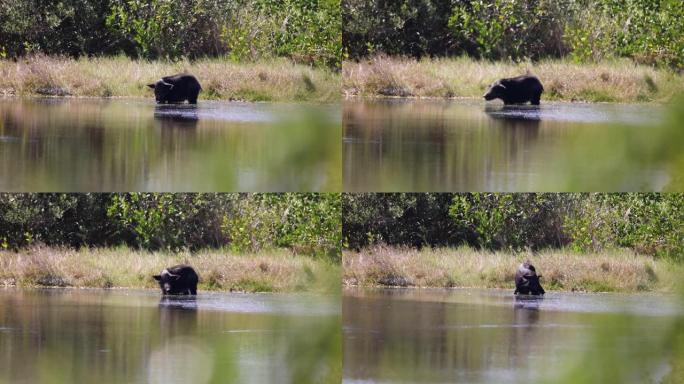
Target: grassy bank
point(614, 271)
point(610, 81)
point(272, 80)
point(275, 271)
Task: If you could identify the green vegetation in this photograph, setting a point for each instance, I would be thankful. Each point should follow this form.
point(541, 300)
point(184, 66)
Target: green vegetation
point(221, 78)
point(601, 242)
point(251, 50)
point(305, 31)
point(237, 242)
point(564, 80)
point(305, 224)
point(648, 224)
point(606, 361)
point(123, 267)
point(630, 147)
point(561, 269)
point(646, 31)
point(583, 50)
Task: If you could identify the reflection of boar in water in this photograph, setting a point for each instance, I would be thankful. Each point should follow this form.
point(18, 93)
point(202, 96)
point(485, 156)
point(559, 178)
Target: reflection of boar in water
point(178, 280)
point(527, 280)
point(516, 90)
point(176, 89)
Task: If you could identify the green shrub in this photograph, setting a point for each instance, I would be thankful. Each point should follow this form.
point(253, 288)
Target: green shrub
point(510, 29)
point(307, 31)
point(648, 223)
point(308, 224)
point(647, 31)
point(305, 223)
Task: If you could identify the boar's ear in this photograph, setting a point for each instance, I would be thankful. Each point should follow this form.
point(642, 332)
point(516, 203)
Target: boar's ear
point(506, 83)
point(157, 277)
point(151, 85)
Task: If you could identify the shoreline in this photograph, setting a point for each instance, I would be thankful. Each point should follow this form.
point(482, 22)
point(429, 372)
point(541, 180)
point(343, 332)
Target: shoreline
point(269, 80)
point(612, 81)
point(157, 290)
point(357, 98)
point(152, 101)
point(618, 271)
point(346, 289)
point(273, 271)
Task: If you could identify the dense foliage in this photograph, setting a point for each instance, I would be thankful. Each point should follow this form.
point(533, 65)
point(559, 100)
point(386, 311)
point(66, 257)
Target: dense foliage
point(307, 31)
point(305, 223)
point(650, 224)
point(648, 31)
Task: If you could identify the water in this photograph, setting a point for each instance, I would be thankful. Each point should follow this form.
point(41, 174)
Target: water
point(487, 336)
point(467, 145)
point(128, 145)
point(125, 336)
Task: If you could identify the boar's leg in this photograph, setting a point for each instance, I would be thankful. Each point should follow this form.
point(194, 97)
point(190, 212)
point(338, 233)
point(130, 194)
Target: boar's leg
point(536, 98)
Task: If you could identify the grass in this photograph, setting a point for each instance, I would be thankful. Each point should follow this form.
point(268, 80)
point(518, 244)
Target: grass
point(273, 80)
point(610, 271)
point(274, 271)
point(610, 81)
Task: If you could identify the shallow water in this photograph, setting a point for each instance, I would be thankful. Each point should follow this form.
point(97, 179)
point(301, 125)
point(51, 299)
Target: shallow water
point(134, 145)
point(487, 336)
point(469, 145)
point(124, 336)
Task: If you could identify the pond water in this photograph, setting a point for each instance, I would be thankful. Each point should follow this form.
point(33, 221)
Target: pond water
point(487, 336)
point(123, 336)
point(467, 145)
point(129, 145)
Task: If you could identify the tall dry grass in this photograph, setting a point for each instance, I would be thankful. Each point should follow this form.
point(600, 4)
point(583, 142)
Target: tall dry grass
point(617, 270)
point(274, 271)
point(272, 80)
point(610, 81)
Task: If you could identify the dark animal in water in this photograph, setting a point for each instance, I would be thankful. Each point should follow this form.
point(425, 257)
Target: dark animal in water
point(178, 280)
point(176, 89)
point(516, 90)
point(527, 280)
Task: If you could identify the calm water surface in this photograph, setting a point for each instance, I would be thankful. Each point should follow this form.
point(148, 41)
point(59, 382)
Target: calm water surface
point(486, 336)
point(134, 145)
point(467, 145)
point(96, 336)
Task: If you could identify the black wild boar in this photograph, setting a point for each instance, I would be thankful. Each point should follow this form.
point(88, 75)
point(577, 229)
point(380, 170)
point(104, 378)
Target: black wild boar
point(516, 90)
point(176, 89)
point(527, 280)
point(178, 280)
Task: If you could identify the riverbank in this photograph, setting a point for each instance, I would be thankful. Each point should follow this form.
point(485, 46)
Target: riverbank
point(610, 271)
point(277, 80)
point(611, 81)
point(269, 271)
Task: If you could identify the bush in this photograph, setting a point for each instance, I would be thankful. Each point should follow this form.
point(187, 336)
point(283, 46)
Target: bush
point(414, 219)
point(308, 224)
point(512, 221)
point(405, 27)
point(648, 223)
point(305, 223)
point(508, 29)
point(68, 27)
point(306, 31)
point(53, 219)
point(648, 31)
